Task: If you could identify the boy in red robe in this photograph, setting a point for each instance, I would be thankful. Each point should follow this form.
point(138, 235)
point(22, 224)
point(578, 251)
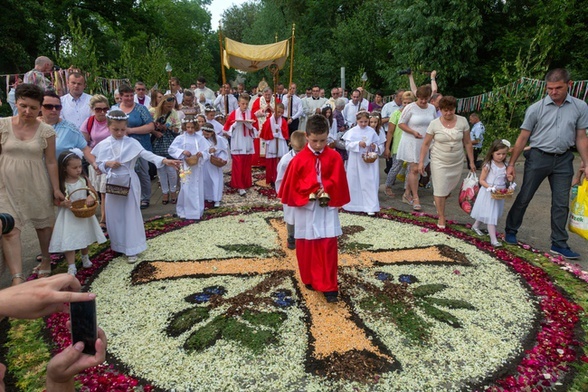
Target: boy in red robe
point(241, 126)
point(315, 184)
point(275, 135)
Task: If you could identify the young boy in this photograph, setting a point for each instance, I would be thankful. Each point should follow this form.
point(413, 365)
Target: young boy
point(275, 134)
point(242, 128)
point(315, 185)
point(297, 141)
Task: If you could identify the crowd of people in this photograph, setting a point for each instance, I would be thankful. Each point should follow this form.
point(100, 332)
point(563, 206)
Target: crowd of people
point(320, 153)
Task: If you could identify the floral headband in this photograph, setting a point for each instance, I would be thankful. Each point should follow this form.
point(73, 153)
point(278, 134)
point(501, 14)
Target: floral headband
point(506, 143)
point(118, 118)
point(207, 129)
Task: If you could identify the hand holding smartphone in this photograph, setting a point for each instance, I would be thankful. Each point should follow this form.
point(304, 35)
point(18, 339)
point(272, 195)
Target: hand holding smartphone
point(83, 325)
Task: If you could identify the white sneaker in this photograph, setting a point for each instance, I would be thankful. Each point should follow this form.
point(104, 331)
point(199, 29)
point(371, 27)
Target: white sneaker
point(217, 204)
point(242, 192)
point(132, 259)
point(86, 263)
point(496, 244)
point(72, 270)
point(371, 213)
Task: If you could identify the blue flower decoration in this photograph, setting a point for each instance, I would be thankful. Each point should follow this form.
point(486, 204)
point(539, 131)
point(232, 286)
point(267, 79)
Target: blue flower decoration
point(383, 276)
point(283, 298)
point(409, 279)
point(206, 294)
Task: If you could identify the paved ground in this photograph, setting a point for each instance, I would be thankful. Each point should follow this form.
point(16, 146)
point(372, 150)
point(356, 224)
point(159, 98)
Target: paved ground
point(535, 230)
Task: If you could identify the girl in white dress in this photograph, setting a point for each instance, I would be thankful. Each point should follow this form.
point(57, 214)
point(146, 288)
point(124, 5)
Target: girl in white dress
point(193, 145)
point(213, 175)
point(486, 209)
point(364, 177)
point(116, 156)
point(71, 233)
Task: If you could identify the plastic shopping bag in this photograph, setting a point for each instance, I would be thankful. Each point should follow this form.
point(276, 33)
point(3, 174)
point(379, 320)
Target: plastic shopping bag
point(578, 222)
point(469, 191)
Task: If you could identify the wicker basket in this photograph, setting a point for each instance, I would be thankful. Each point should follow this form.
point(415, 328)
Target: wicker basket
point(216, 161)
point(369, 157)
point(79, 207)
point(192, 160)
point(499, 196)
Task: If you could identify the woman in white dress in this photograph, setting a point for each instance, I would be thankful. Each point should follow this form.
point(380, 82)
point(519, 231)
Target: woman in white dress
point(414, 121)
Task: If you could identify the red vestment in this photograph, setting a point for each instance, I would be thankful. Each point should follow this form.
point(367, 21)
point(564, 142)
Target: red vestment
point(241, 149)
point(271, 163)
point(317, 258)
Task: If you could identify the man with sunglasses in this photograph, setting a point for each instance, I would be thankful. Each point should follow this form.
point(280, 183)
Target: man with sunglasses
point(76, 103)
point(141, 96)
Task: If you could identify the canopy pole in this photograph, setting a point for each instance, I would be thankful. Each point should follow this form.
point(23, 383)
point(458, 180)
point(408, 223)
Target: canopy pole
point(220, 41)
point(292, 55)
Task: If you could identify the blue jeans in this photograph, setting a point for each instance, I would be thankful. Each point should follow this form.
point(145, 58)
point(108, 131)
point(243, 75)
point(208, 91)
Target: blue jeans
point(559, 170)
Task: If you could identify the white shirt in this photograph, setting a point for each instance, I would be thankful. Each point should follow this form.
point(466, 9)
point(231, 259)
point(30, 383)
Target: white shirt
point(76, 111)
point(310, 105)
point(219, 104)
point(179, 96)
point(208, 93)
point(146, 103)
point(350, 111)
point(297, 109)
point(389, 108)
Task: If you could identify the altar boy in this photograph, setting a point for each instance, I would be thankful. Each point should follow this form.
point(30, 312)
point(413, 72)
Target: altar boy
point(242, 129)
point(315, 185)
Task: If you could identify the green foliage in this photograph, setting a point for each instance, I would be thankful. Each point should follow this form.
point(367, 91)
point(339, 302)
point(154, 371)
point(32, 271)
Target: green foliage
point(246, 249)
point(505, 110)
point(428, 289)
point(185, 320)
point(27, 354)
point(256, 336)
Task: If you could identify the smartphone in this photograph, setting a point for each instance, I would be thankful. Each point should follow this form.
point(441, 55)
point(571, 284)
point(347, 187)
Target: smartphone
point(83, 325)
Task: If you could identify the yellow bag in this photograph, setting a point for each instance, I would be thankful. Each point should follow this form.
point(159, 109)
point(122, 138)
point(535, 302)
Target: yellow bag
point(579, 212)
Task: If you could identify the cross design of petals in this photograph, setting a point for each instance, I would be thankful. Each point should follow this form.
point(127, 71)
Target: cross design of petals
point(337, 334)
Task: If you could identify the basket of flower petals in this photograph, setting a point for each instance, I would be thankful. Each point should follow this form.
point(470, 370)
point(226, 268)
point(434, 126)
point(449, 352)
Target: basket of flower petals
point(370, 157)
point(502, 193)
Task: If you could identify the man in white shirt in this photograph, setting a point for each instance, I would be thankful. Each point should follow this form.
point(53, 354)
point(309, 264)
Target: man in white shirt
point(392, 106)
point(141, 96)
point(174, 85)
point(226, 102)
point(313, 104)
point(202, 89)
point(354, 106)
point(293, 109)
point(76, 103)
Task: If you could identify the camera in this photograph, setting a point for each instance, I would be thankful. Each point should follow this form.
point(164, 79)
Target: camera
point(407, 71)
point(7, 223)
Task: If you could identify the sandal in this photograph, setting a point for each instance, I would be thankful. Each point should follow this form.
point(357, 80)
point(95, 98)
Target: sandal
point(144, 204)
point(174, 197)
point(406, 200)
point(103, 226)
point(388, 192)
point(165, 199)
point(416, 206)
point(18, 275)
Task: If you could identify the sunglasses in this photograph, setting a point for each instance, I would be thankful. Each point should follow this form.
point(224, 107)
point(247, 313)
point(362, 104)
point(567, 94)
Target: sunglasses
point(169, 99)
point(101, 110)
point(52, 107)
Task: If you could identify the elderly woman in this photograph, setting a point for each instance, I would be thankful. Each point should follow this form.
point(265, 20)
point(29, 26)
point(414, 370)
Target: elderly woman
point(414, 121)
point(451, 134)
point(94, 130)
point(167, 127)
point(29, 181)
